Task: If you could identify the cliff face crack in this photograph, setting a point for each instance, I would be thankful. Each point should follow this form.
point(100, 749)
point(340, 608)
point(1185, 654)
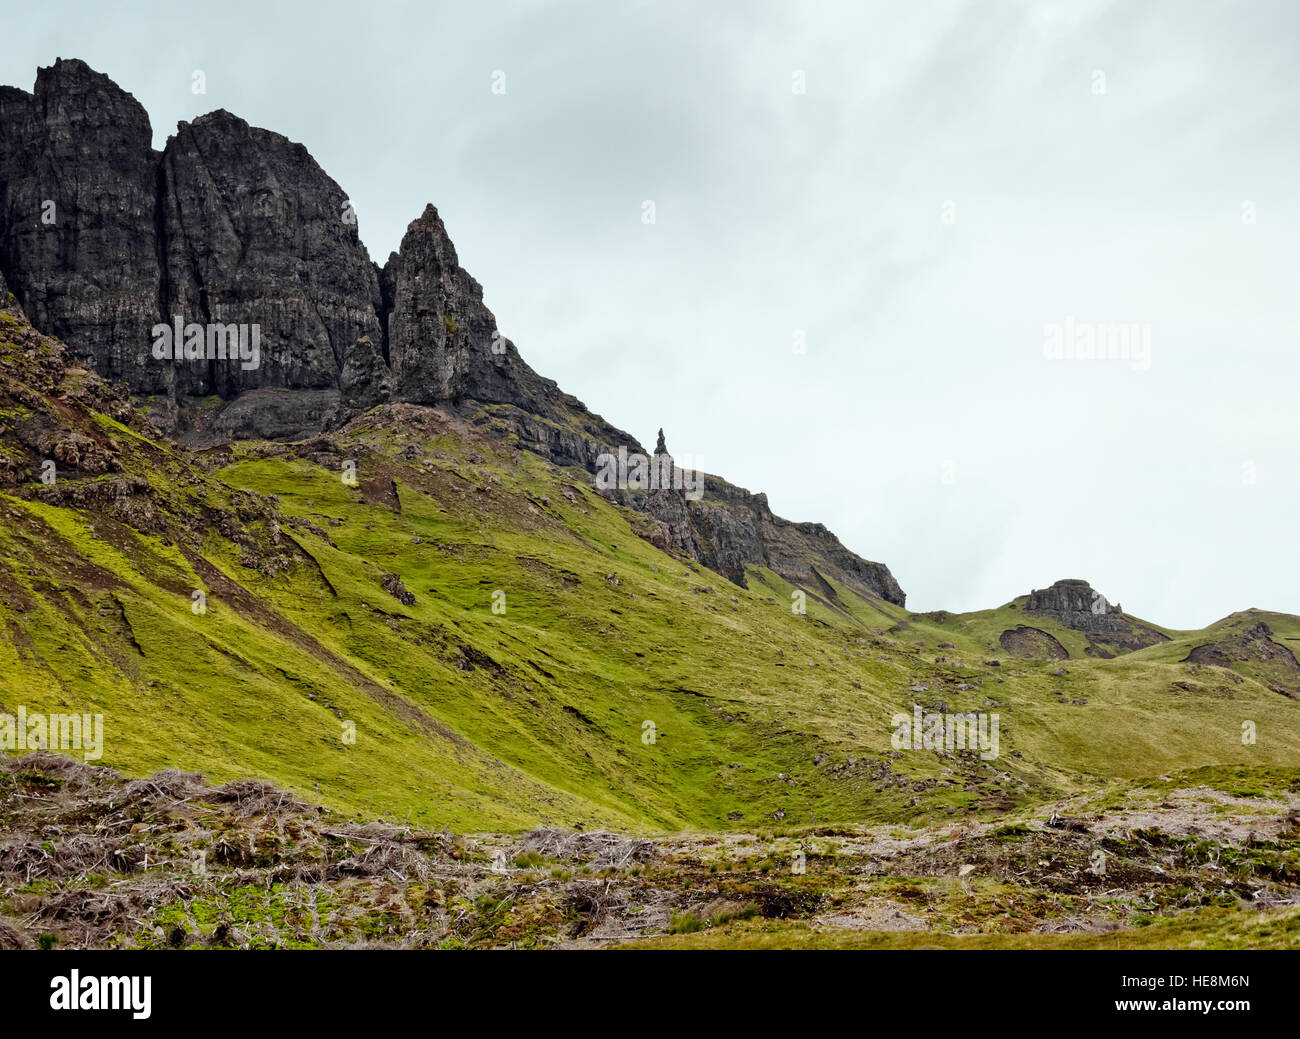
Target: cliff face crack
point(160, 237)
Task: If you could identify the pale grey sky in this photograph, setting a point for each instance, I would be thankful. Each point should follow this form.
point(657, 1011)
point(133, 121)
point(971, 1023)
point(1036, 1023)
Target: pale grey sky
point(923, 424)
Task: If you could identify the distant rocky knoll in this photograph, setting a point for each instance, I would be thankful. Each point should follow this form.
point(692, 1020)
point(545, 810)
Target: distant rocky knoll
point(102, 238)
point(1109, 630)
point(1254, 653)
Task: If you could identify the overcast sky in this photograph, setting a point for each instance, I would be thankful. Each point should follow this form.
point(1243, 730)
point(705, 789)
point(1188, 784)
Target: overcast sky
point(956, 178)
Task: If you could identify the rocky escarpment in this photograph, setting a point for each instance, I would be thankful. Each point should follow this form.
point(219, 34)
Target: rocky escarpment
point(251, 229)
point(1077, 605)
point(237, 233)
point(729, 529)
point(737, 529)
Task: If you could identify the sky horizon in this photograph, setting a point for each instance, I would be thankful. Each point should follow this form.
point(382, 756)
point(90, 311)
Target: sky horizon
point(880, 240)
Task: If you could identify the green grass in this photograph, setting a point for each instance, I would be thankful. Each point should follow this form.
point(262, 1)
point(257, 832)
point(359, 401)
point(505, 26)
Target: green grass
point(474, 719)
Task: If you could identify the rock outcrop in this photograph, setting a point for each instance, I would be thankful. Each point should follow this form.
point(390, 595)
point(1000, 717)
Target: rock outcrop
point(1254, 653)
point(233, 237)
point(104, 238)
point(1077, 605)
point(737, 529)
point(443, 342)
point(1032, 644)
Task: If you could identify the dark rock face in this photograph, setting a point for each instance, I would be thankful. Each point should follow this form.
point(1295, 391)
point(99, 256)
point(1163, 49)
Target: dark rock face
point(671, 511)
point(736, 529)
point(253, 231)
point(440, 334)
point(103, 238)
point(235, 226)
point(269, 414)
point(78, 194)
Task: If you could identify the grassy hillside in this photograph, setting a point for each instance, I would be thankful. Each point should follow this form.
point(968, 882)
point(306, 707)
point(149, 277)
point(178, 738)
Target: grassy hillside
point(367, 607)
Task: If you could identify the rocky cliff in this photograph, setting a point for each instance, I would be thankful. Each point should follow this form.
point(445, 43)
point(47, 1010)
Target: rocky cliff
point(233, 237)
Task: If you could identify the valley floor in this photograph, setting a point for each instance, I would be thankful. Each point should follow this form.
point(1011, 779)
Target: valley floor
point(91, 859)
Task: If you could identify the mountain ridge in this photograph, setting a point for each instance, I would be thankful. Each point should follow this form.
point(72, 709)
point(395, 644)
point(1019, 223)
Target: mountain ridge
point(234, 225)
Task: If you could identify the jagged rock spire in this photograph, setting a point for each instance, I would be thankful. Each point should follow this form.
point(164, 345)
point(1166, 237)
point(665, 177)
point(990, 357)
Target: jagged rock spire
point(661, 448)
